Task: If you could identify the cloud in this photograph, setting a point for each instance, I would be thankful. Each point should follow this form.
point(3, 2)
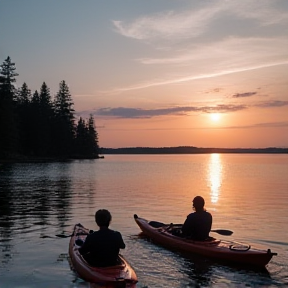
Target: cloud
point(272, 103)
point(122, 112)
point(258, 125)
point(172, 25)
point(283, 124)
point(215, 90)
point(232, 52)
point(168, 24)
point(247, 94)
point(225, 44)
point(176, 80)
point(139, 113)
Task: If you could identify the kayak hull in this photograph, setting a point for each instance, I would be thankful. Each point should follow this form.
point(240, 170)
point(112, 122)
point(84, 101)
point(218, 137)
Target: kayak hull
point(122, 273)
point(227, 251)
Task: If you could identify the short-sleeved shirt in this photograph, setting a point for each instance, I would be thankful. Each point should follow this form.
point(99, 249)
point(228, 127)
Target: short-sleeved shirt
point(101, 248)
point(197, 225)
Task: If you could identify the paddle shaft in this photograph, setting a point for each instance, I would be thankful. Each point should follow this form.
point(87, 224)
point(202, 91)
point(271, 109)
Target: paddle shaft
point(219, 231)
point(157, 224)
point(67, 236)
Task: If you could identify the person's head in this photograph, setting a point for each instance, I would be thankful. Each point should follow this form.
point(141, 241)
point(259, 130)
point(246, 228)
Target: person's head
point(198, 203)
point(103, 218)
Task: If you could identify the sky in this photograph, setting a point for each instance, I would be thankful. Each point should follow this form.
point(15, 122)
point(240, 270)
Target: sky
point(163, 73)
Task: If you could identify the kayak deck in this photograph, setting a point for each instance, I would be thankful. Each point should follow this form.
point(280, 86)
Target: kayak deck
point(228, 251)
point(122, 273)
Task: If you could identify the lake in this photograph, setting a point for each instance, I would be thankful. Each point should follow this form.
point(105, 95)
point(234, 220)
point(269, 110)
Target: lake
point(246, 193)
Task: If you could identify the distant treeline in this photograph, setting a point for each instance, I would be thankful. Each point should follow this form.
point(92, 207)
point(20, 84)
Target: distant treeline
point(39, 126)
point(189, 150)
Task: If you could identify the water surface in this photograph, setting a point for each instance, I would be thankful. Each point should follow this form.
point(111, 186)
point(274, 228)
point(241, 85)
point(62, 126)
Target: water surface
point(246, 193)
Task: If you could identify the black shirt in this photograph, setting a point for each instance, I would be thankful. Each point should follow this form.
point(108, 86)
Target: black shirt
point(197, 225)
point(101, 248)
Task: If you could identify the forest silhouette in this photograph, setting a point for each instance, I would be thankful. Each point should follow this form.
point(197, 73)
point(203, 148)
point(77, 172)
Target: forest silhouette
point(39, 126)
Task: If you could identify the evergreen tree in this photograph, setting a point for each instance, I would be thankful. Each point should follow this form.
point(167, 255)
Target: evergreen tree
point(35, 126)
point(81, 138)
point(8, 126)
point(64, 128)
point(93, 137)
point(8, 74)
point(44, 121)
point(42, 127)
point(24, 118)
point(24, 95)
point(86, 143)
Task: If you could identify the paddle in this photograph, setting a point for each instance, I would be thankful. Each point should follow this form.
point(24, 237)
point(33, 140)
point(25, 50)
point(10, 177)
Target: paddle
point(63, 236)
point(157, 224)
point(222, 232)
point(67, 236)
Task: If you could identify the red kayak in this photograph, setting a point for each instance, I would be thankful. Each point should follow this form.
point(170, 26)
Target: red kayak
point(121, 275)
point(213, 248)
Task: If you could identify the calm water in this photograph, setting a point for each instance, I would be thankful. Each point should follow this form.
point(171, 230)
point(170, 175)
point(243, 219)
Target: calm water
point(245, 193)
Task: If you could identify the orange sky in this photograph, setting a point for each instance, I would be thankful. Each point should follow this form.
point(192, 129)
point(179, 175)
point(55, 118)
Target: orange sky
point(153, 73)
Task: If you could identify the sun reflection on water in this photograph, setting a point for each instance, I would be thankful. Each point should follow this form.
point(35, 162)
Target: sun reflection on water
point(215, 176)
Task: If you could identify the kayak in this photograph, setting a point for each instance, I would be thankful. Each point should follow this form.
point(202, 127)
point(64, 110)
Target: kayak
point(227, 251)
point(123, 274)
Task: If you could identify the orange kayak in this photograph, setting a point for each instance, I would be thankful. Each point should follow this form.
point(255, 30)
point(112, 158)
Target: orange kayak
point(121, 275)
point(227, 251)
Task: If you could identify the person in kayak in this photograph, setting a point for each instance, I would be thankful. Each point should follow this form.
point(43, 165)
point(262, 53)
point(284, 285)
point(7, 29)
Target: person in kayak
point(101, 248)
point(197, 224)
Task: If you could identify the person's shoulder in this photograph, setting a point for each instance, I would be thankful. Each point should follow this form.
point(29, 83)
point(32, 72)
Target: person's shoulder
point(191, 215)
point(93, 234)
point(116, 233)
point(112, 231)
point(208, 214)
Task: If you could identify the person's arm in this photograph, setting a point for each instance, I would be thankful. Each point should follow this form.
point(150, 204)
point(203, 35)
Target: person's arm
point(121, 242)
point(186, 227)
point(211, 221)
point(85, 248)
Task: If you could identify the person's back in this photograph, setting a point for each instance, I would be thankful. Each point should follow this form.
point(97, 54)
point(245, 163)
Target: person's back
point(102, 247)
point(198, 224)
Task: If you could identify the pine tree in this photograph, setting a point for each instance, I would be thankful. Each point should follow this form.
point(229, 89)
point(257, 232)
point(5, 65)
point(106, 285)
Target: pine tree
point(86, 143)
point(44, 121)
point(81, 140)
point(93, 137)
point(8, 126)
point(24, 118)
point(24, 95)
point(64, 127)
point(35, 126)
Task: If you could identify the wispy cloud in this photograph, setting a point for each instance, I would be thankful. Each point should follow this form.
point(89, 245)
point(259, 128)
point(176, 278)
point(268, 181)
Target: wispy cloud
point(239, 50)
point(122, 112)
point(196, 21)
point(131, 112)
point(209, 44)
point(283, 124)
point(246, 94)
point(175, 80)
point(273, 103)
point(169, 24)
point(258, 125)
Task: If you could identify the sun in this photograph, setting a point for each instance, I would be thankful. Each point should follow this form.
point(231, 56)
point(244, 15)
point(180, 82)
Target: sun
point(215, 117)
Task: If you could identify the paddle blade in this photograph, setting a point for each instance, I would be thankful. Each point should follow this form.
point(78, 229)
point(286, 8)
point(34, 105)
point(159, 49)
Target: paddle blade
point(63, 236)
point(223, 232)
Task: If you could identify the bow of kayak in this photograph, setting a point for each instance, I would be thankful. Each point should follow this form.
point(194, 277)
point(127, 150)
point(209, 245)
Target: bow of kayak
point(212, 248)
point(122, 273)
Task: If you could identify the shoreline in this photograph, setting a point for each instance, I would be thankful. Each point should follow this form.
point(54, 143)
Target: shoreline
point(147, 150)
point(192, 150)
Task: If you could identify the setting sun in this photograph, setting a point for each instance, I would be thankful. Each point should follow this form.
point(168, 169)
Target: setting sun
point(215, 117)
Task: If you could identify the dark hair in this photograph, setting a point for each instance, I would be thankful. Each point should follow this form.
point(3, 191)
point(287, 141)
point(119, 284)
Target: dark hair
point(103, 218)
point(198, 203)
